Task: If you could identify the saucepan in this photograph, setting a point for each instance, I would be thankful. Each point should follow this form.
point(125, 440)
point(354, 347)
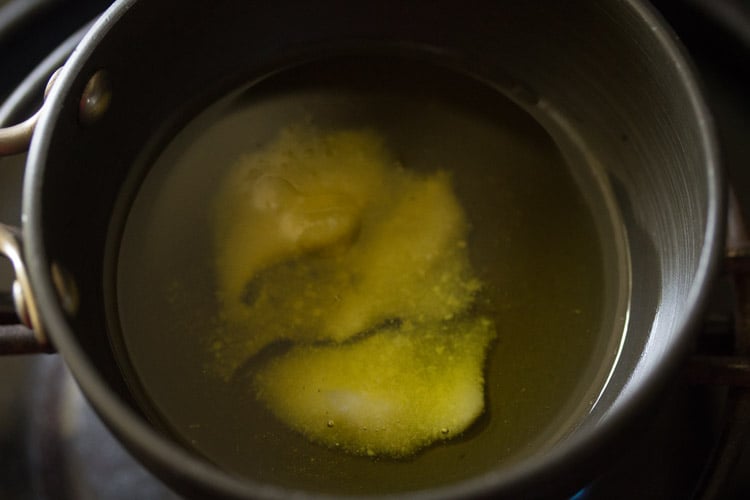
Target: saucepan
point(607, 81)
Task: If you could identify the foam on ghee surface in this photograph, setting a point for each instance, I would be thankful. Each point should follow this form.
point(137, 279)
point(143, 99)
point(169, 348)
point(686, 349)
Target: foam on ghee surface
point(324, 241)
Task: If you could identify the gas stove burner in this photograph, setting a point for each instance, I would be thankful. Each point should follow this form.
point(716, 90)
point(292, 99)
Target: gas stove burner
point(72, 455)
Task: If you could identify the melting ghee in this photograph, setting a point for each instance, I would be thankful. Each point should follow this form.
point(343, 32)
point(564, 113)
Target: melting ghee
point(323, 236)
point(390, 394)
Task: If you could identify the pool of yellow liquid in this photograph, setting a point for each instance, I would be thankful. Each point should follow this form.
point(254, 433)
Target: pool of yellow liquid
point(447, 276)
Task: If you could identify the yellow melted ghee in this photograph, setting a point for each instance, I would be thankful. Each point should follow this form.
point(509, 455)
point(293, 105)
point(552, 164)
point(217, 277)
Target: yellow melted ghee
point(324, 241)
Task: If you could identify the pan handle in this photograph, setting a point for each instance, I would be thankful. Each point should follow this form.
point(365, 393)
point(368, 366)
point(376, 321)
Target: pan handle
point(28, 337)
point(16, 139)
point(21, 329)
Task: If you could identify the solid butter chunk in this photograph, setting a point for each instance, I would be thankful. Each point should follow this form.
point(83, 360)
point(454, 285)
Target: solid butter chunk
point(324, 237)
point(272, 202)
point(410, 264)
point(389, 394)
point(324, 241)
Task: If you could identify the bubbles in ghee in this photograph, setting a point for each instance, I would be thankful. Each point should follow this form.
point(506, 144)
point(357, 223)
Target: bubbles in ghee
point(325, 242)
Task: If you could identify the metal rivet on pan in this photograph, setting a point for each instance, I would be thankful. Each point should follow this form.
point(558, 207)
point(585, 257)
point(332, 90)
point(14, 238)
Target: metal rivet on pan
point(66, 287)
point(96, 98)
